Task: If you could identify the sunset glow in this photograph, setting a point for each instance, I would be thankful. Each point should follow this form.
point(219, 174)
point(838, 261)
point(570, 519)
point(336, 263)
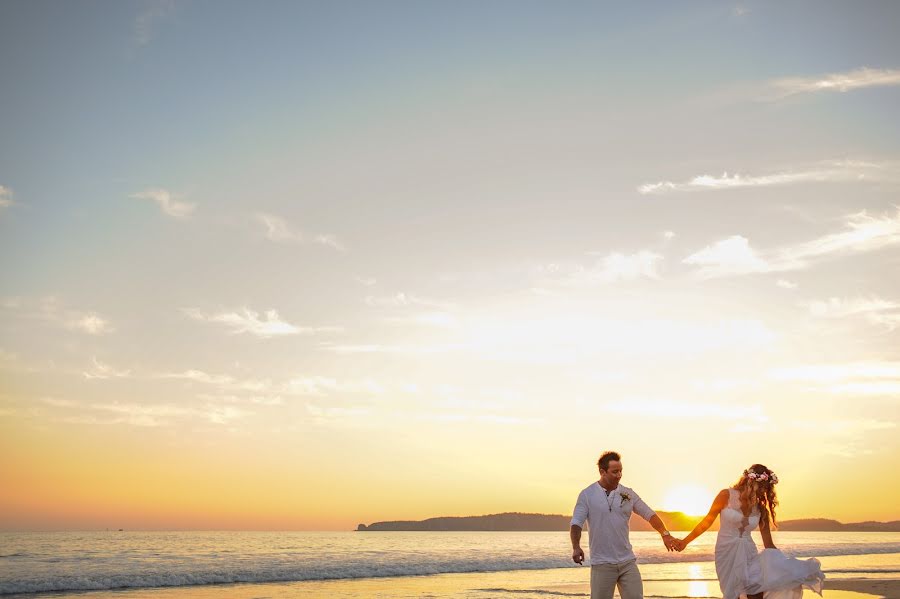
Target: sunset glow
point(310, 265)
point(692, 500)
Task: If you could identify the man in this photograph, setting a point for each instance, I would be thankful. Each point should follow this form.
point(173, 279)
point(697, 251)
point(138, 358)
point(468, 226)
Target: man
point(607, 506)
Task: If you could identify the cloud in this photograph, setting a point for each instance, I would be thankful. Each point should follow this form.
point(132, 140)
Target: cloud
point(443, 320)
point(167, 202)
point(299, 385)
point(829, 171)
point(342, 417)
point(785, 284)
point(567, 338)
point(149, 20)
point(404, 300)
point(654, 408)
point(865, 233)
point(735, 256)
point(829, 373)
point(59, 403)
point(855, 378)
point(279, 230)
point(6, 196)
point(249, 321)
point(627, 267)
point(367, 281)
point(104, 371)
point(52, 309)
point(731, 256)
point(873, 309)
point(837, 82)
point(378, 348)
point(91, 324)
point(320, 386)
point(609, 268)
point(331, 241)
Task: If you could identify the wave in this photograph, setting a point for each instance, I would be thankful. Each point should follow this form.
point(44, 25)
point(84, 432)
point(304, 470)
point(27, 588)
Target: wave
point(107, 576)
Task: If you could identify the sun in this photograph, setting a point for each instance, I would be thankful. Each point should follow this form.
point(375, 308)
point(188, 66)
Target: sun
point(692, 500)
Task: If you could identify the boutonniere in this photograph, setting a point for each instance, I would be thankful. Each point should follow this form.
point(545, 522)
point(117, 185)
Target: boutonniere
point(625, 497)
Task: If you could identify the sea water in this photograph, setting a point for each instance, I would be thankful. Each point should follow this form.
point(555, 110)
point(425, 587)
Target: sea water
point(388, 564)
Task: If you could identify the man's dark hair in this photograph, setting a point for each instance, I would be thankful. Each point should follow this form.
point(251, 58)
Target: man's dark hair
point(606, 458)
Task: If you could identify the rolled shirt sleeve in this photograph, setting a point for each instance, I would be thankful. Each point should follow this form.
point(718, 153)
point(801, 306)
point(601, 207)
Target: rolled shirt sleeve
point(642, 509)
point(580, 513)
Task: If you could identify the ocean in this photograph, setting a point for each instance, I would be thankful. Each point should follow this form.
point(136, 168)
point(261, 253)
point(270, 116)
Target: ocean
point(136, 565)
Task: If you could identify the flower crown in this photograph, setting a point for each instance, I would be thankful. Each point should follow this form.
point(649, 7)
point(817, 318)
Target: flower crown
point(763, 477)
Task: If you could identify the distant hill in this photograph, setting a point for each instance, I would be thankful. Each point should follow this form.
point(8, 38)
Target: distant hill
point(516, 521)
point(822, 524)
point(512, 521)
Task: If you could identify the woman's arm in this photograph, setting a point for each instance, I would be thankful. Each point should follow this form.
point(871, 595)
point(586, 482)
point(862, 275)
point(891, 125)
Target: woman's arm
point(766, 534)
point(718, 504)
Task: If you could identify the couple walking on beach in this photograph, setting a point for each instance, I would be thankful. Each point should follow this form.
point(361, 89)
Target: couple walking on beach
point(742, 571)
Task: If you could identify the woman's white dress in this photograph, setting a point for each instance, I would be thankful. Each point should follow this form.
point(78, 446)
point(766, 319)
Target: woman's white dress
point(744, 571)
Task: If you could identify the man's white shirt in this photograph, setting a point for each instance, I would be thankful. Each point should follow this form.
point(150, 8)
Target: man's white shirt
point(607, 517)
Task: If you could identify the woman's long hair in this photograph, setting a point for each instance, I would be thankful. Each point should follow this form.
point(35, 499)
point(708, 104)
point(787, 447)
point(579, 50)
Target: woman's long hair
point(759, 492)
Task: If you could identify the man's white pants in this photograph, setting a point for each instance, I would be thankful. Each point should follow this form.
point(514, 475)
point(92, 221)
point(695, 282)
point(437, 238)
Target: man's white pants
point(606, 577)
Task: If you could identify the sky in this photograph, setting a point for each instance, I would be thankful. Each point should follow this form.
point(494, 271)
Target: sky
point(305, 265)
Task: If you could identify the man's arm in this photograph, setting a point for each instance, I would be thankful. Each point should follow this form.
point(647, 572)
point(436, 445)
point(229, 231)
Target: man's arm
point(577, 551)
point(667, 538)
point(579, 517)
point(645, 512)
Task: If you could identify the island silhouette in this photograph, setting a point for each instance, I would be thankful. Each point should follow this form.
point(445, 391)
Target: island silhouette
point(518, 521)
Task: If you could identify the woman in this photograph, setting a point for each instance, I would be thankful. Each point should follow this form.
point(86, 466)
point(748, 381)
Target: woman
point(741, 570)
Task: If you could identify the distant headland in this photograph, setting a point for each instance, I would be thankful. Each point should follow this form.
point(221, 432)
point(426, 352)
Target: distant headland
point(516, 521)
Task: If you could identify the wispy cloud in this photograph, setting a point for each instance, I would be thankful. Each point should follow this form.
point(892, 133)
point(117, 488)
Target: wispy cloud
point(735, 256)
point(52, 309)
point(731, 256)
point(6, 197)
point(444, 320)
point(626, 267)
point(785, 284)
point(167, 202)
point(855, 378)
point(320, 386)
point(249, 321)
point(656, 408)
point(91, 324)
point(873, 309)
point(278, 230)
point(828, 373)
point(837, 82)
point(823, 172)
point(104, 371)
point(863, 233)
point(59, 403)
point(154, 14)
point(380, 348)
point(608, 268)
point(341, 417)
point(415, 310)
point(405, 300)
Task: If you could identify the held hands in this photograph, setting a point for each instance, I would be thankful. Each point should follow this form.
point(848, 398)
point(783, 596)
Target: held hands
point(673, 544)
point(578, 555)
